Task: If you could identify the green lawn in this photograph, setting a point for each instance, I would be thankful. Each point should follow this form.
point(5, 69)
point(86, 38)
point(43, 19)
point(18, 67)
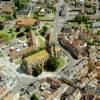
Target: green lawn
point(7, 35)
point(22, 29)
point(2, 17)
point(46, 18)
point(32, 15)
point(24, 2)
point(18, 61)
point(62, 62)
point(41, 42)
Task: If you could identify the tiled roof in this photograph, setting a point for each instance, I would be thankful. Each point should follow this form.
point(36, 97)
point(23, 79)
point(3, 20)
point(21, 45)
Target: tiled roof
point(14, 55)
point(98, 63)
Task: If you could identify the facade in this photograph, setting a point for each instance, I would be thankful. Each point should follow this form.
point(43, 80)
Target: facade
point(30, 62)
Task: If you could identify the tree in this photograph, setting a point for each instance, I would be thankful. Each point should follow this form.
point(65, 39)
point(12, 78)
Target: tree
point(9, 17)
point(18, 3)
point(14, 14)
point(98, 32)
point(28, 28)
point(34, 97)
point(53, 63)
point(37, 70)
point(10, 30)
point(78, 19)
point(36, 14)
point(1, 26)
point(83, 19)
point(44, 30)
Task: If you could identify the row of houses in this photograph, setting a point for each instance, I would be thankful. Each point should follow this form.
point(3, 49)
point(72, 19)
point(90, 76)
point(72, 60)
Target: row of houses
point(66, 45)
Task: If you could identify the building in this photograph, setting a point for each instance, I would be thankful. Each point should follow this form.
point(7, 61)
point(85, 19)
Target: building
point(6, 7)
point(57, 94)
point(31, 45)
point(52, 89)
point(69, 47)
point(52, 45)
point(87, 97)
point(96, 25)
point(31, 39)
point(16, 54)
point(97, 65)
point(32, 61)
point(67, 94)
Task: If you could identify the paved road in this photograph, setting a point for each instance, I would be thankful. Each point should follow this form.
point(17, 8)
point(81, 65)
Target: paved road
point(22, 79)
point(58, 22)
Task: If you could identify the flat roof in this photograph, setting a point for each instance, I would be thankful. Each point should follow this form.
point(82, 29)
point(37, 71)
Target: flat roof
point(37, 56)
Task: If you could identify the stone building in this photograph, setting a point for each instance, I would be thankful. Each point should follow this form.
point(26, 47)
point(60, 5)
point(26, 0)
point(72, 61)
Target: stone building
point(31, 39)
point(69, 47)
point(30, 62)
point(53, 46)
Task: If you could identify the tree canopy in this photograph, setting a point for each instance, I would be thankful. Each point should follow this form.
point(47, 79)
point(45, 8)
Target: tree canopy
point(20, 3)
point(34, 97)
point(81, 19)
point(37, 70)
point(53, 63)
point(1, 26)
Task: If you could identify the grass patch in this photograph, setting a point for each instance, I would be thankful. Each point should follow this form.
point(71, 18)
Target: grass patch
point(2, 18)
point(46, 18)
point(32, 52)
point(41, 42)
point(54, 64)
point(22, 29)
point(18, 61)
point(7, 35)
point(62, 62)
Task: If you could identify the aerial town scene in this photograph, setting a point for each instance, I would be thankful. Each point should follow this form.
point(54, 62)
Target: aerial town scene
point(49, 49)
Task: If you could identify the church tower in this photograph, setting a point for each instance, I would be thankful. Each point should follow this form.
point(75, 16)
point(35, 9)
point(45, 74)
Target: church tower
point(53, 45)
point(31, 39)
